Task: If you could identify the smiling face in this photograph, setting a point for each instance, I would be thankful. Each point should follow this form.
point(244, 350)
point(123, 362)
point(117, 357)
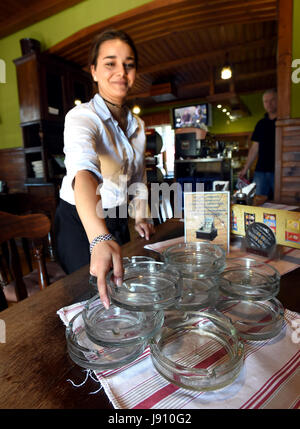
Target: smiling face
point(115, 70)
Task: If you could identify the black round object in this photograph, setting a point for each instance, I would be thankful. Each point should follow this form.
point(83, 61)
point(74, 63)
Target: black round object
point(260, 236)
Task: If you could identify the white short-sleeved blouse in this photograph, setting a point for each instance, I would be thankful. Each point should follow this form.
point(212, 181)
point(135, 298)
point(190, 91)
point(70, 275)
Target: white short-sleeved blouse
point(94, 141)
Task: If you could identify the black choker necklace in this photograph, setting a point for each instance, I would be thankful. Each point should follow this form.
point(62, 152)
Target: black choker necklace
point(115, 105)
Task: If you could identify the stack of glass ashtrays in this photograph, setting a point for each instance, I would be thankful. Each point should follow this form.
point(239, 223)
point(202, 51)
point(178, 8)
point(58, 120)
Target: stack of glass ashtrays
point(198, 350)
point(146, 286)
point(199, 264)
point(198, 347)
point(105, 339)
point(248, 289)
point(127, 260)
point(194, 310)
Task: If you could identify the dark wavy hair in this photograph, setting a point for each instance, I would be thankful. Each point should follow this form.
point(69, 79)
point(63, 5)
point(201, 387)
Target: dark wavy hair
point(110, 34)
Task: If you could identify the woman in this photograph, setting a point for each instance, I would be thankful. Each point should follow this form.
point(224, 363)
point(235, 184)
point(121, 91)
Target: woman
point(103, 143)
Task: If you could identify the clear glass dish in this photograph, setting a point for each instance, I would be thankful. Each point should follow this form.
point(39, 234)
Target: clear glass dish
point(248, 279)
point(200, 350)
point(254, 320)
point(197, 294)
point(89, 355)
point(147, 286)
point(135, 259)
point(118, 326)
point(126, 261)
point(196, 259)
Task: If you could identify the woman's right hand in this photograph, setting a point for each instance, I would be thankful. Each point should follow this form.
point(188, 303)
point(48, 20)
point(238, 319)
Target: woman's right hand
point(105, 256)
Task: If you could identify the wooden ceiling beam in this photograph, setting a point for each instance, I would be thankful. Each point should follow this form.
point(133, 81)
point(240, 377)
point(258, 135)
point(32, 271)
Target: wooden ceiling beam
point(161, 18)
point(207, 55)
point(207, 83)
point(78, 53)
point(30, 13)
point(166, 29)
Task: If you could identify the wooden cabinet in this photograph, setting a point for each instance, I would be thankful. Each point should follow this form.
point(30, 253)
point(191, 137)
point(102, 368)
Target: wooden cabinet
point(48, 88)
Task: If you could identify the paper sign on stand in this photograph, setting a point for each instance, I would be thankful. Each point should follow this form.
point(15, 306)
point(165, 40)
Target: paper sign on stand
point(207, 217)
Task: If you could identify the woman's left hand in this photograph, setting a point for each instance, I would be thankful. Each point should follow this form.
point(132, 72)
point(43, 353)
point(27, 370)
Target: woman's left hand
point(145, 229)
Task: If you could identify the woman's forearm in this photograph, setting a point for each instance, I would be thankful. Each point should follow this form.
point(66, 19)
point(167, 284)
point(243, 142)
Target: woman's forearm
point(87, 201)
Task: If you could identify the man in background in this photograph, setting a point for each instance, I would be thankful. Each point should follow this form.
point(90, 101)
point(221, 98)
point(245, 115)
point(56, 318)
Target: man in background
point(263, 148)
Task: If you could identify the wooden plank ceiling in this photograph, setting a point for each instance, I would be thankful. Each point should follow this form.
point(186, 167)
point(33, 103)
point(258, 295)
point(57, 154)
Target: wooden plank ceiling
point(184, 43)
point(18, 14)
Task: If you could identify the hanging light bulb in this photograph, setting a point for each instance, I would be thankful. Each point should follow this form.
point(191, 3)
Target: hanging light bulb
point(226, 72)
point(136, 109)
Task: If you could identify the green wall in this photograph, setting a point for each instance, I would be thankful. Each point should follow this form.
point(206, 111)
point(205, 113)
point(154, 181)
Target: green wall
point(49, 32)
point(295, 90)
point(58, 27)
point(222, 125)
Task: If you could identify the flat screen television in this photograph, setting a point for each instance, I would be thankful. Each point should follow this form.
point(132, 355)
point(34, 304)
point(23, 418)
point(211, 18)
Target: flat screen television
point(192, 116)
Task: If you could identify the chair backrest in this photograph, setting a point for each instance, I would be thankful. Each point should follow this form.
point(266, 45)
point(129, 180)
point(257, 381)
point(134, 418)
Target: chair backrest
point(34, 227)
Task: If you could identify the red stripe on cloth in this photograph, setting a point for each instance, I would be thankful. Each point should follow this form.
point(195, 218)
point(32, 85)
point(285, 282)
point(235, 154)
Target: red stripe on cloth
point(284, 253)
point(157, 397)
point(171, 388)
point(269, 382)
point(108, 373)
point(281, 381)
point(211, 359)
point(296, 405)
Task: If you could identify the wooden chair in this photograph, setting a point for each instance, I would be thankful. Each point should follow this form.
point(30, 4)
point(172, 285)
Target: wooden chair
point(34, 228)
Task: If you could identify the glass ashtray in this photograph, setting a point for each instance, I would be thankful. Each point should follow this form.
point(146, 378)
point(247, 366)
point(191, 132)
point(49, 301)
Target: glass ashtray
point(146, 286)
point(89, 355)
point(118, 326)
point(127, 260)
point(254, 320)
point(197, 294)
point(135, 259)
point(248, 279)
point(199, 351)
point(196, 259)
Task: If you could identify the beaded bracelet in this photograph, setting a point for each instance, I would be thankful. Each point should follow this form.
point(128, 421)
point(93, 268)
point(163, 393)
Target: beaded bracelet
point(103, 237)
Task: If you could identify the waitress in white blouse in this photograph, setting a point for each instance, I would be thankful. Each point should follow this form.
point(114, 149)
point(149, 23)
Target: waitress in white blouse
point(104, 145)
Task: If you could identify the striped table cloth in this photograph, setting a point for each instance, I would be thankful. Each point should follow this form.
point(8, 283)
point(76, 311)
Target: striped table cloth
point(270, 377)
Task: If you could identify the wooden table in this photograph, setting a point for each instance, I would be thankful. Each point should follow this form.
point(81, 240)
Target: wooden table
point(34, 364)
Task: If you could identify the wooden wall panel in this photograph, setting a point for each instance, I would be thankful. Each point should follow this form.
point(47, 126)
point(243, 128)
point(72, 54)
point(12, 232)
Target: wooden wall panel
point(13, 171)
point(158, 118)
point(284, 57)
point(287, 180)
